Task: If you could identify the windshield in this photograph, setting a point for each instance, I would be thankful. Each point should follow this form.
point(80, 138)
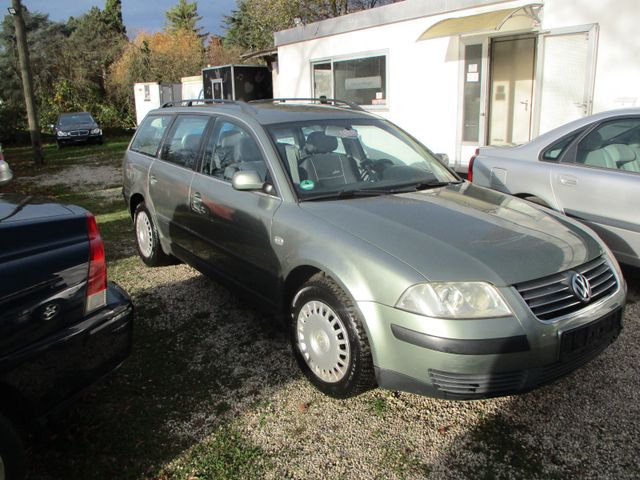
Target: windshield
point(75, 119)
point(337, 158)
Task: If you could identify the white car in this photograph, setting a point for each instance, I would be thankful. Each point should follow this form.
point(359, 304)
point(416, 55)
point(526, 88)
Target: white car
point(588, 169)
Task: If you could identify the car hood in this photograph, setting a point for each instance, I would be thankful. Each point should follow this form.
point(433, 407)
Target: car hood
point(464, 232)
point(16, 208)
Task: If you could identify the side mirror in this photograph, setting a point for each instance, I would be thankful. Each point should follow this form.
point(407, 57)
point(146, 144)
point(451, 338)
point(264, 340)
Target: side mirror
point(247, 180)
point(443, 158)
point(5, 173)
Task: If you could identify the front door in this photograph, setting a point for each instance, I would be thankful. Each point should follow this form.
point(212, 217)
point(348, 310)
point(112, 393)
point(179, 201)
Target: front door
point(231, 229)
point(597, 182)
point(511, 90)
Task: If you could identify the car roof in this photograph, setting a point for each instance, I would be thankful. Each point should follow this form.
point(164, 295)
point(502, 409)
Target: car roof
point(267, 113)
point(581, 122)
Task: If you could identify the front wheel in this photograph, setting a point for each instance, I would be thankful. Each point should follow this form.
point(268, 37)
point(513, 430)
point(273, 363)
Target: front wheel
point(12, 460)
point(147, 239)
point(329, 341)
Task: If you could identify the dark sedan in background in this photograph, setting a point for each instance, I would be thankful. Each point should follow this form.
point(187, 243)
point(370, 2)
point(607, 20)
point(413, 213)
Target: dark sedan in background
point(62, 325)
point(76, 127)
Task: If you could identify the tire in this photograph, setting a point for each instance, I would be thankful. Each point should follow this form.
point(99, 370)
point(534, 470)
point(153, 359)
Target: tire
point(147, 239)
point(329, 340)
point(12, 458)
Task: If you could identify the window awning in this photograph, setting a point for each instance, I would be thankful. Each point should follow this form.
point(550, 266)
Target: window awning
point(501, 20)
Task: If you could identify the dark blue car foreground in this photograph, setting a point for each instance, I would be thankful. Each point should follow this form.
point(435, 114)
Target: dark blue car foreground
point(63, 326)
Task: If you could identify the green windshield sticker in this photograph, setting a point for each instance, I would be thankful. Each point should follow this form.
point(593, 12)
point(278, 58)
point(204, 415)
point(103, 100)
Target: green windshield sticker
point(307, 185)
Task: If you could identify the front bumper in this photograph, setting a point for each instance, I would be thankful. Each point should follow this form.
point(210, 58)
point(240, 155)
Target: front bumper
point(90, 137)
point(472, 359)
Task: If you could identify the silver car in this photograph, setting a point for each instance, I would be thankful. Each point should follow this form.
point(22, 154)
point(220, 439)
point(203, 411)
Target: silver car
point(588, 169)
point(387, 268)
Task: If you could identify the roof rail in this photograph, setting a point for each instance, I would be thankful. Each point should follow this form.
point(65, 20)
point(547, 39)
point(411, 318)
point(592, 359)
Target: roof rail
point(195, 101)
point(321, 100)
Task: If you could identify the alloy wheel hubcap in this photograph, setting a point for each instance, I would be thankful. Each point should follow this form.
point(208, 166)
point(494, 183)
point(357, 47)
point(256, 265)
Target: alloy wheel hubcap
point(144, 234)
point(323, 341)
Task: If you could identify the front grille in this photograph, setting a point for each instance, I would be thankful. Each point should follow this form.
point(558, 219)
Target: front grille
point(477, 385)
point(78, 133)
point(551, 297)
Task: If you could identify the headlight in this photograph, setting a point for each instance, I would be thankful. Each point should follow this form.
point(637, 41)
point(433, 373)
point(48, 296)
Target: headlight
point(454, 300)
point(96, 131)
point(62, 134)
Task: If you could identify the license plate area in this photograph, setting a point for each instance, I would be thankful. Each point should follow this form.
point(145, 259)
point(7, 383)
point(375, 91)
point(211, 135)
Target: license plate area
point(591, 336)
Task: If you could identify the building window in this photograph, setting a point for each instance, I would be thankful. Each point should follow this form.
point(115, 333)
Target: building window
point(471, 105)
point(359, 80)
point(322, 78)
point(147, 94)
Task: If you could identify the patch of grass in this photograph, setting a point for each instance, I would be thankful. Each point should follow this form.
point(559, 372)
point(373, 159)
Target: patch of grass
point(404, 463)
point(378, 405)
point(224, 455)
point(20, 158)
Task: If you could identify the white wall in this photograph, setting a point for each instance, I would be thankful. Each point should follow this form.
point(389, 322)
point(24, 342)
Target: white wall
point(144, 106)
point(422, 81)
point(191, 87)
point(423, 76)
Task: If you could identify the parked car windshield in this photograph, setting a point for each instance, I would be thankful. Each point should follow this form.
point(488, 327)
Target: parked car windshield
point(342, 158)
point(75, 119)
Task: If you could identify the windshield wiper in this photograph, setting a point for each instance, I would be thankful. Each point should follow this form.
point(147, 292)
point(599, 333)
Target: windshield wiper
point(374, 192)
point(430, 184)
point(350, 193)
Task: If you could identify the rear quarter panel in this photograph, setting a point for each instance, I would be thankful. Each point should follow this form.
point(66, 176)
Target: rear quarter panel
point(518, 173)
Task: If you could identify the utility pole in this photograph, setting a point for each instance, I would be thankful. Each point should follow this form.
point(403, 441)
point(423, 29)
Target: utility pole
point(27, 80)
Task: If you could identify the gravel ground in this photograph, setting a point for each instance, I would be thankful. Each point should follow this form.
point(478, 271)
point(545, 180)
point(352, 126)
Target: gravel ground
point(223, 366)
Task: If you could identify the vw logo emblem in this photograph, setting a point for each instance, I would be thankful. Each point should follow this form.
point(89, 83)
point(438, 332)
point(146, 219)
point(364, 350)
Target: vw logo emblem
point(581, 287)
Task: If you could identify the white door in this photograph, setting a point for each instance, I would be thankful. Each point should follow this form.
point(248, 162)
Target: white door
point(567, 78)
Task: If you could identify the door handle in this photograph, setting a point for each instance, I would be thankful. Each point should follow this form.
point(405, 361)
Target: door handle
point(526, 105)
point(196, 203)
point(568, 180)
point(153, 180)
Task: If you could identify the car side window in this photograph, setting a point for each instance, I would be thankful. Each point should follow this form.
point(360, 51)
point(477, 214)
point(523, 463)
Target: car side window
point(182, 145)
point(555, 151)
point(230, 149)
point(150, 133)
point(614, 145)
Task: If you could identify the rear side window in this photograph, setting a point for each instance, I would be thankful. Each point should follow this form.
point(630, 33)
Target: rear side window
point(552, 154)
point(182, 145)
point(150, 134)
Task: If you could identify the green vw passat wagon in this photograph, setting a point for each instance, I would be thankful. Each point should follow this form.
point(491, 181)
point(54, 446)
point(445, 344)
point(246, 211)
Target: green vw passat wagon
point(389, 269)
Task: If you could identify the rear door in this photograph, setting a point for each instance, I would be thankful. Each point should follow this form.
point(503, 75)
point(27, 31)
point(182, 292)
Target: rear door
point(231, 229)
point(598, 181)
point(170, 176)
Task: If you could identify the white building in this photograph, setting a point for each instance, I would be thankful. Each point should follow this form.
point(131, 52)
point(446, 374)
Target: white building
point(458, 74)
point(151, 95)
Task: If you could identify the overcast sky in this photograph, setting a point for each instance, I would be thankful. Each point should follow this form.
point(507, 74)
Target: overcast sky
point(138, 14)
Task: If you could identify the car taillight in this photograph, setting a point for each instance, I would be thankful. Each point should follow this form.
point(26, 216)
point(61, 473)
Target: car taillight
point(97, 280)
point(471, 160)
